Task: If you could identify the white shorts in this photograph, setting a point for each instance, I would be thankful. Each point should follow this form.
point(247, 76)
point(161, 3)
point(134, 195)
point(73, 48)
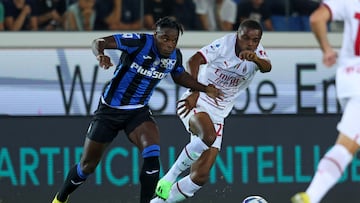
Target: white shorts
point(347, 82)
point(349, 123)
point(217, 121)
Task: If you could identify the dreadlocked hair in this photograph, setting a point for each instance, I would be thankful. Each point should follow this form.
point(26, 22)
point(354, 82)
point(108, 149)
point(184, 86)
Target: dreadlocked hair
point(169, 22)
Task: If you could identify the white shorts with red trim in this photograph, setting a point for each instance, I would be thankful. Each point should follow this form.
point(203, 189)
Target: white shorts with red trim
point(349, 124)
point(217, 121)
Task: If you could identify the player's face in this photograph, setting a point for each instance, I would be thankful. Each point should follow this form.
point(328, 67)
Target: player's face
point(166, 40)
point(248, 39)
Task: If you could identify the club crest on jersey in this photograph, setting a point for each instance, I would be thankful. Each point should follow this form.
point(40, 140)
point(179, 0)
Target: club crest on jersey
point(167, 63)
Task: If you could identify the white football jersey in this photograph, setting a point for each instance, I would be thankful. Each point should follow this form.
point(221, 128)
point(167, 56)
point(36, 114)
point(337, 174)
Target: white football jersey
point(226, 71)
point(349, 12)
point(347, 75)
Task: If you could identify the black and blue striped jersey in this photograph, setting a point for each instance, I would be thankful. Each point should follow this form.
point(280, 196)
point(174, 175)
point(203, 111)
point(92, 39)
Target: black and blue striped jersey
point(140, 69)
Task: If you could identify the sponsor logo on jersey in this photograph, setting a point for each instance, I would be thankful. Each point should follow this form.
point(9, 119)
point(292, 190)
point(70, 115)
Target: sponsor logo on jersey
point(149, 73)
point(228, 79)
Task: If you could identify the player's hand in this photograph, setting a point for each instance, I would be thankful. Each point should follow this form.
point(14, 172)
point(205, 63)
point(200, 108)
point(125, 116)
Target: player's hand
point(184, 106)
point(214, 93)
point(104, 61)
point(329, 57)
point(247, 55)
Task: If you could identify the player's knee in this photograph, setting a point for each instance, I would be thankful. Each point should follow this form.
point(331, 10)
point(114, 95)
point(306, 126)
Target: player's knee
point(209, 138)
point(202, 125)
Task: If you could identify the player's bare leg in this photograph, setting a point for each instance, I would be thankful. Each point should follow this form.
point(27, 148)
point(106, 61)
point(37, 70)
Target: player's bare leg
point(201, 125)
point(78, 174)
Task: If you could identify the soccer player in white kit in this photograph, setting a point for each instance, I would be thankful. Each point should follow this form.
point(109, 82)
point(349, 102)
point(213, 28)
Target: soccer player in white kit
point(335, 161)
point(229, 63)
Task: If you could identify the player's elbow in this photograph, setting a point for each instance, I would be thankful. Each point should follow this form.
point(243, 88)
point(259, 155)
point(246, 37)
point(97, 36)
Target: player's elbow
point(321, 15)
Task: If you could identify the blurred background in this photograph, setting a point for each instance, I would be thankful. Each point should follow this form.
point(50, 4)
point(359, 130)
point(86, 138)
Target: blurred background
point(213, 15)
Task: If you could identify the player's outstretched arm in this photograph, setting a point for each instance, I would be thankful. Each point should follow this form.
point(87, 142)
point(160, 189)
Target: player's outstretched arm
point(98, 47)
point(318, 21)
point(186, 80)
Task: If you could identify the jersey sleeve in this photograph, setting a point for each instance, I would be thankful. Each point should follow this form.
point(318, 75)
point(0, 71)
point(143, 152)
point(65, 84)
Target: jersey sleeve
point(179, 68)
point(337, 9)
point(211, 51)
point(261, 53)
point(129, 42)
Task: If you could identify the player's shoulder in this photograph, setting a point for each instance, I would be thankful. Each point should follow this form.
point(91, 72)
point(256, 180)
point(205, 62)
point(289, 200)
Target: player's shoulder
point(224, 42)
point(260, 52)
point(260, 47)
point(131, 35)
point(341, 4)
point(228, 37)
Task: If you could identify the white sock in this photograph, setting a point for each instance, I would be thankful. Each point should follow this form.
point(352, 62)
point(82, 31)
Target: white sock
point(182, 189)
point(329, 171)
point(190, 153)
point(157, 200)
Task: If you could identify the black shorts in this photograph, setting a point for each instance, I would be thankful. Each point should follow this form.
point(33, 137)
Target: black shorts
point(107, 122)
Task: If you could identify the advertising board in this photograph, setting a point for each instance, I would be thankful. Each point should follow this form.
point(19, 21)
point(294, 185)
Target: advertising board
point(273, 156)
point(68, 82)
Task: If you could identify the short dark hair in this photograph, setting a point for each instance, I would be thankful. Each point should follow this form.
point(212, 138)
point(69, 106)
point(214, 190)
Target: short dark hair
point(169, 22)
point(252, 24)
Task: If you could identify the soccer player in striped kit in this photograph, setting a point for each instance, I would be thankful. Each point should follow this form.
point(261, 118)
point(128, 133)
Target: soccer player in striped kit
point(145, 60)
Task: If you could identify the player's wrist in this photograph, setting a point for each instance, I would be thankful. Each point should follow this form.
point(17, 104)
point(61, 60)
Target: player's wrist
point(98, 57)
point(209, 89)
point(193, 90)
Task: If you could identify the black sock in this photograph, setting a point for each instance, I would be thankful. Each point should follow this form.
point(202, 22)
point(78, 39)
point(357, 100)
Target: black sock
point(149, 177)
point(73, 181)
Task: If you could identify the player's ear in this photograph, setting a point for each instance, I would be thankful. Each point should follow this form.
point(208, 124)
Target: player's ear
point(156, 34)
